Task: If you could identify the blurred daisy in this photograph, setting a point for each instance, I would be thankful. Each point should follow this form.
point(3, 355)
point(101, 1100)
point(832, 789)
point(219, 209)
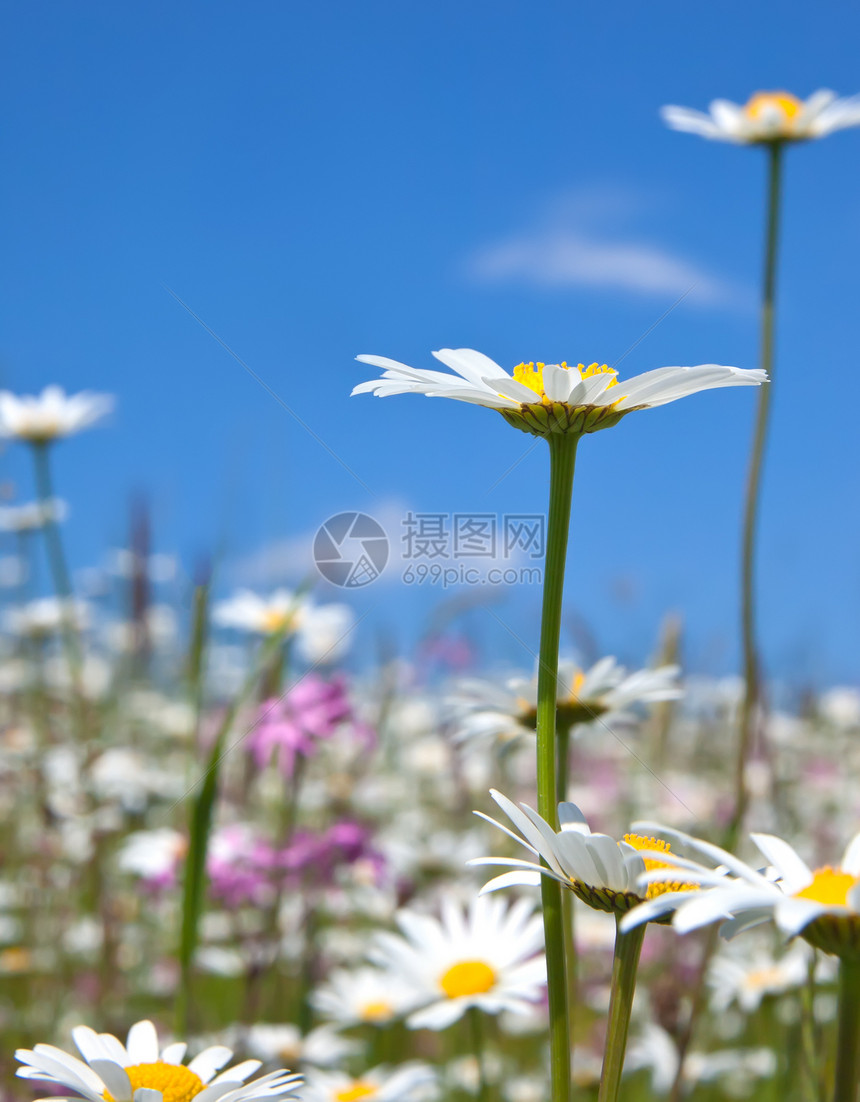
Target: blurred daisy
point(46, 615)
point(604, 693)
point(406, 1083)
point(768, 117)
point(748, 978)
point(140, 1071)
point(600, 871)
point(821, 905)
point(154, 856)
point(51, 415)
point(32, 515)
point(248, 611)
point(322, 1046)
point(363, 996)
point(323, 631)
point(548, 398)
point(487, 958)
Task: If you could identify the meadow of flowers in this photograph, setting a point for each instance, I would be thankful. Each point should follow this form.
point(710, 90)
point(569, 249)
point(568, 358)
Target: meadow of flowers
point(234, 869)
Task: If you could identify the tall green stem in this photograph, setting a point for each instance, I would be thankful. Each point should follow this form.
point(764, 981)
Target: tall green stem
point(624, 967)
point(562, 737)
point(476, 1025)
point(59, 568)
point(562, 452)
point(848, 1041)
point(752, 674)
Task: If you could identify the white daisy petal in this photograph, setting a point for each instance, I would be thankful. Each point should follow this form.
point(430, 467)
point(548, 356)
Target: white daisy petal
point(210, 1060)
point(142, 1043)
point(115, 1079)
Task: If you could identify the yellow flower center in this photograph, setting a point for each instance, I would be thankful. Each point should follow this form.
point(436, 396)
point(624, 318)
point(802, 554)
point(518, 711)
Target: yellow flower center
point(764, 102)
point(468, 977)
point(639, 842)
point(829, 886)
point(531, 375)
point(275, 620)
point(377, 1011)
point(578, 682)
point(358, 1089)
point(176, 1082)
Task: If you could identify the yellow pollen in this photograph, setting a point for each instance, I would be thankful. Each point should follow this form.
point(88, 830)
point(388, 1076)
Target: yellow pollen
point(829, 886)
point(469, 977)
point(638, 841)
point(176, 1082)
point(578, 682)
point(531, 375)
point(359, 1089)
point(763, 102)
point(377, 1011)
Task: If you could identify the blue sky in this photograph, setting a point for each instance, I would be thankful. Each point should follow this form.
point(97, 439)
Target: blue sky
point(316, 180)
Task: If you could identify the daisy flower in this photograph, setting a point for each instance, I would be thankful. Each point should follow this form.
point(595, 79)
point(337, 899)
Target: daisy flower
point(768, 117)
point(486, 959)
point(821, 905)
point(32, 515)
point(322, 631)
point(605, 692)
point(748, 978)
point(248, 611)
point(140, 1071)
point(599, 870)
point(50, 415)
point(406, 1083)
point(543, 399)
point(363, 996)
point(323, 1046)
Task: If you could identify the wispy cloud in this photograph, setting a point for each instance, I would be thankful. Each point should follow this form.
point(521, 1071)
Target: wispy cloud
point(578, 242)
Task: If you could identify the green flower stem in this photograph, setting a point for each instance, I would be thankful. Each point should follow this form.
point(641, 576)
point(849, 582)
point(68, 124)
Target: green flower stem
point(202, 801)
point(567, 898)
point(477, 1030)
point(624, 966)
point(752, 675)
point(57, 560)
point(562, 452)
point(848, 1040)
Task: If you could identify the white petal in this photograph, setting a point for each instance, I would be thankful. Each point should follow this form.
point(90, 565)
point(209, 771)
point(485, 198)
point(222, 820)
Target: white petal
point(558, 382)
point(792, 915)
point(147, 1094)
point(794, 872)
point(210, 1060)
point(175, 1053)
point(851, 857)
point(472, 365)
point(142, 1043)
point(115, 1079)
point(516, 879)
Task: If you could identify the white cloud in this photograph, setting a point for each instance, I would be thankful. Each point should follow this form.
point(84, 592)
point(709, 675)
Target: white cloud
point(572, 245)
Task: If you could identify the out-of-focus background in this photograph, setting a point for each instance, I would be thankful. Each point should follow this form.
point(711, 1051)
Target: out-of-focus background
point(301, 182)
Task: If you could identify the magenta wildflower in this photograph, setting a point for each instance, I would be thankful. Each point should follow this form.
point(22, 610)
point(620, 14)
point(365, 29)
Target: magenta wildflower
point(293, 725)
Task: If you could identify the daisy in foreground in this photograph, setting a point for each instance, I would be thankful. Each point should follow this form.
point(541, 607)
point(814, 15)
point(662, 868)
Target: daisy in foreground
point(821, 905)
point(544, 399)
point(50, 415)
point(601, 872)
point(768, 117)
point(487, 959)
point(140, 1071)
